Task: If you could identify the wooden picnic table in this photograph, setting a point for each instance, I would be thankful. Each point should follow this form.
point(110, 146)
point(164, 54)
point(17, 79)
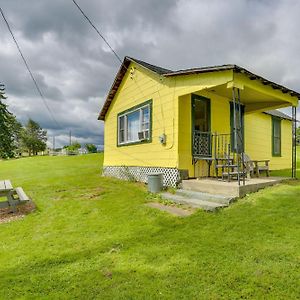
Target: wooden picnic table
point(14, 196)
point(5, 187)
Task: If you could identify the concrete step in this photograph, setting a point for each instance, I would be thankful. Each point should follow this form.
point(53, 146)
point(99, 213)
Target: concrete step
point(192, 202)
point(206, 196)
point(211, 187)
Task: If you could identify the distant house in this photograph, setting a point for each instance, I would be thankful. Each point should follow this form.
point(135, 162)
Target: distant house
point(180, 122)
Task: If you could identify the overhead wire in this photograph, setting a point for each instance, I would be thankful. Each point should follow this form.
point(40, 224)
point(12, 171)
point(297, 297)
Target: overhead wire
point(111, 48)
point(98, 32)
point(29, 71)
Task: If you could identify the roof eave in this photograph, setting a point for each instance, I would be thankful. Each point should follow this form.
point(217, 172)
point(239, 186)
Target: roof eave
point(114, 87)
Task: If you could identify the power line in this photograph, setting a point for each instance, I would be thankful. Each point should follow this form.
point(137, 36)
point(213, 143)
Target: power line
point(98, 32)
point(28, 69)
point(115, 53)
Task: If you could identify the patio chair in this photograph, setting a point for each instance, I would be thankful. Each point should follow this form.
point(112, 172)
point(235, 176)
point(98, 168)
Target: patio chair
point(256, 166)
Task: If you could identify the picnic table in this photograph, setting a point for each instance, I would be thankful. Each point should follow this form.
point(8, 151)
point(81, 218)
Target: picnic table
point(7, 190)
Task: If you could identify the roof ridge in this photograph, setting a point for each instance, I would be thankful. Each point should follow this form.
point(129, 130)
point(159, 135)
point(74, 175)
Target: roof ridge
point(154, 68)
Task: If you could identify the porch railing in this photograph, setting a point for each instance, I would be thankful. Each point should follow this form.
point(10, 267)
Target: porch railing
point(216, 150)
point(202, 144)
point(208, 144)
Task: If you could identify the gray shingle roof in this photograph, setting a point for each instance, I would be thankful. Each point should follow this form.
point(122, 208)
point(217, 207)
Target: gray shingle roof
point(279, 114)
point(168, 73)
point(156, 69)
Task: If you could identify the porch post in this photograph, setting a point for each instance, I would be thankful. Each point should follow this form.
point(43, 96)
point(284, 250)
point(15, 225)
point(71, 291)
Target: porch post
point(235, 134)
point(294, 142)
point(241, 135)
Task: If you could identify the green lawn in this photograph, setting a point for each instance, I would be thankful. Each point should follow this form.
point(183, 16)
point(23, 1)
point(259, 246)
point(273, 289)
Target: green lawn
point(93, 237)
point(288, 173)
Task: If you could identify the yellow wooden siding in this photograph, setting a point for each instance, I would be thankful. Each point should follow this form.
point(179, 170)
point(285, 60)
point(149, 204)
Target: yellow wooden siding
point(258, 140)
point(165, 93)
point(172, 115)
point(145, 86)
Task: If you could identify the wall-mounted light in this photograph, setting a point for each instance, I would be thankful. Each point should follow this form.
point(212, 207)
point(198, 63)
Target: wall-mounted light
point(163, 139)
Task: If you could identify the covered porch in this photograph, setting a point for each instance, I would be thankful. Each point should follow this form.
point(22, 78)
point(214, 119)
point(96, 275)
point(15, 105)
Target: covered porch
point(218, 142)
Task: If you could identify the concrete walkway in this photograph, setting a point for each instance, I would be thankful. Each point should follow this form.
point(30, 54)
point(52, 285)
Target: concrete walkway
point(180, 212)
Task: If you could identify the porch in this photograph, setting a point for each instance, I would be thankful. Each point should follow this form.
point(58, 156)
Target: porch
point(214, 140)
point(211, 194)
point(232, 188)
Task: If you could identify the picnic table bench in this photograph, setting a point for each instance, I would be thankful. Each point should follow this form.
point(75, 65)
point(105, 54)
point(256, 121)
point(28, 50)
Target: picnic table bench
point(14, 197)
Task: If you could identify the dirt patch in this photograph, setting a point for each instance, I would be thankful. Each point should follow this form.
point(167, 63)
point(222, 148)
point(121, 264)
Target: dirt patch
point(180, 212)
point(6, 214)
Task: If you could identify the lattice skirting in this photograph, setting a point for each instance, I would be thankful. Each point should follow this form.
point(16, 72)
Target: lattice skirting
point(171, 175)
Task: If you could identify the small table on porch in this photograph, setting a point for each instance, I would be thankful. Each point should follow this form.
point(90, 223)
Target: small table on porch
point(209, 161)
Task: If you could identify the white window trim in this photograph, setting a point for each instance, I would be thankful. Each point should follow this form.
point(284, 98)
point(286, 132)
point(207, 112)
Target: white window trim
point(140, 109)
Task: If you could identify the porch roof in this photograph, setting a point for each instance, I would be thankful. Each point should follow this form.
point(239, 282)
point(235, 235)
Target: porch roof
point(259, 93)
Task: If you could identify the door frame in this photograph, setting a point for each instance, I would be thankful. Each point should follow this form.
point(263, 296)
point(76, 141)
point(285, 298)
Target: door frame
point(194, 98)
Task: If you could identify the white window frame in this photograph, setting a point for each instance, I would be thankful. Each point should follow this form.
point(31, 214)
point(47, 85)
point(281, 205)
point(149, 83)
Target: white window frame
point(128, 112)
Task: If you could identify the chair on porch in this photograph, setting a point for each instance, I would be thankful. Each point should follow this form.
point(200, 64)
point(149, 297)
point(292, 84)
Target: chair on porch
point(256, 166)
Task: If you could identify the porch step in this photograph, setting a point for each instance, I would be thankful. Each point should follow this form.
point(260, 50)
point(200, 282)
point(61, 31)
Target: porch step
point(197, 203)
point(233, 173)
point(216, 198)
point(211, 187)
point(226, 166)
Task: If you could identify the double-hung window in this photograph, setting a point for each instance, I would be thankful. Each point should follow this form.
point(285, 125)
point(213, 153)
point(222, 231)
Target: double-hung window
point(134, 125)
point(276, 136)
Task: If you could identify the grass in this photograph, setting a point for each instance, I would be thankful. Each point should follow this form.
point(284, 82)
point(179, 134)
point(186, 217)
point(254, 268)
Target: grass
point(93, 237)
point(288, 172)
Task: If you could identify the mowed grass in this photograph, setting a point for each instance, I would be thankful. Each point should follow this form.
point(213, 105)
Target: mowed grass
point(93, 237)
point(288, 172)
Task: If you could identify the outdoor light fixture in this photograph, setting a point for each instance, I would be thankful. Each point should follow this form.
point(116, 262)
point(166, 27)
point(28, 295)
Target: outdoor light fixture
point(163, 139)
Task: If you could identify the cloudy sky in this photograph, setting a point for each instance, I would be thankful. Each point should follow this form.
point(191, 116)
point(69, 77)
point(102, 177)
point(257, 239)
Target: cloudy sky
point(75, 69)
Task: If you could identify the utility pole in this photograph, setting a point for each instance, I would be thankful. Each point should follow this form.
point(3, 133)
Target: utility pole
point(53, 143)
point(70, 138)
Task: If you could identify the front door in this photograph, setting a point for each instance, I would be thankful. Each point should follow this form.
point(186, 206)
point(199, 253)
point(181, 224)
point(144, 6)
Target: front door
point(201, 126)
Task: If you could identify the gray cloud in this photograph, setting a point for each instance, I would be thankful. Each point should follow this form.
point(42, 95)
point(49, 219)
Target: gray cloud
point(75, 69)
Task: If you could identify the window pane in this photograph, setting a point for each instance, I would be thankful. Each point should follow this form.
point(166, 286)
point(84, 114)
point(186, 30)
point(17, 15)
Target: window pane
point(133, 120)
point(276, 137)
point(276, 146)
point(276, 129)
point(121, 122)
point(201, 117)
point(145, 118)
point(121, 129)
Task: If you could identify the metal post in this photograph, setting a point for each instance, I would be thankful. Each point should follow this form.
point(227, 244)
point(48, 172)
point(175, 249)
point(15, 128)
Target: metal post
point(294, 142)
point(235, 134)
point(241, 137)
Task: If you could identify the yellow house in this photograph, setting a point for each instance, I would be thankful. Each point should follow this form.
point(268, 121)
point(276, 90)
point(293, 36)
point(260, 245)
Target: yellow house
point(183, 123)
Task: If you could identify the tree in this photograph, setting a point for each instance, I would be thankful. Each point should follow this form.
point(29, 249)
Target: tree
point(298, 135)
point(74, 147)
point(33, 137)
point(8, 125)
point(91, 148)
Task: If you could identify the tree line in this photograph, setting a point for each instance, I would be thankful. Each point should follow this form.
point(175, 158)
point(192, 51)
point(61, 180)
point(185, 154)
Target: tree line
point(16, 138)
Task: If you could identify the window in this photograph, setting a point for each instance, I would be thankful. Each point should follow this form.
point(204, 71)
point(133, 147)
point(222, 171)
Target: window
point(276, 136)
point(134, 125)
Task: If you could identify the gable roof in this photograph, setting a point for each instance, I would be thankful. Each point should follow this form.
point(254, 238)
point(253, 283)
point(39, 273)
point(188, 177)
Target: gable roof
point(168, 73)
